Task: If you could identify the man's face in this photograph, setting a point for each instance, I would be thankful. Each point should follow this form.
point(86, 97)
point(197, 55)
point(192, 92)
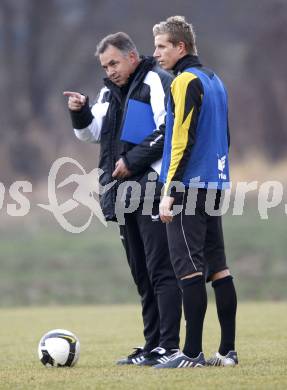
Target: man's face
point(166, 53)
point(117, 65)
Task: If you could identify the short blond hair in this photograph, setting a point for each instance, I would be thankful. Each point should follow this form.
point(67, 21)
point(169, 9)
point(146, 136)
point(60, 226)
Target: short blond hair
point(178, 30)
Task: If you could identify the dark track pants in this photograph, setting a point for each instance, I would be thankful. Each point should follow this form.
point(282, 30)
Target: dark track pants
point(145, 242)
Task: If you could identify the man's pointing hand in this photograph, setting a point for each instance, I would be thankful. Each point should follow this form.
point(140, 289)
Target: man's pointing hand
point(76, 100)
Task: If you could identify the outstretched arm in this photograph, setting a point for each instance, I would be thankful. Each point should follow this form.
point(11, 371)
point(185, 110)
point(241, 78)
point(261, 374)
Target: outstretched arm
point(87, 121)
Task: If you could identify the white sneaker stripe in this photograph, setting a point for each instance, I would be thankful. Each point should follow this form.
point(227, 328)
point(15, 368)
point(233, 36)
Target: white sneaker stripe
point(186, 364)
point(181, 364)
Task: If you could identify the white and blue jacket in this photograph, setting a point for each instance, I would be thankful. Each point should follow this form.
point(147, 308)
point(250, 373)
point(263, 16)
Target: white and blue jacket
point(128, 122)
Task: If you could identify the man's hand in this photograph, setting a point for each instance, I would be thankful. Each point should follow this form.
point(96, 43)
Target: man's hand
point(165, 209)
point(121, 171)
point(76, 100)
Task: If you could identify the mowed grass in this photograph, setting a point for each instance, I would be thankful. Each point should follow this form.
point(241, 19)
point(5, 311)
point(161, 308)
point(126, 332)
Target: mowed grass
point(42, 264)
point(108, 332)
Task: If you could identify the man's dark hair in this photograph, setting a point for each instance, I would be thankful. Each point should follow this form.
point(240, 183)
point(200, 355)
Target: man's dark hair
point(120, 40)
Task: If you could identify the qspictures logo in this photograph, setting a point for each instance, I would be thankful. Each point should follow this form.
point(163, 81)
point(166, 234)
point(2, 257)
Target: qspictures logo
point(87, 190)
point(88, 186)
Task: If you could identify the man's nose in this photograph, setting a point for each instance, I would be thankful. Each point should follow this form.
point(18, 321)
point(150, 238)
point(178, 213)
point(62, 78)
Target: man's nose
point(109, 72)
point(155, 53)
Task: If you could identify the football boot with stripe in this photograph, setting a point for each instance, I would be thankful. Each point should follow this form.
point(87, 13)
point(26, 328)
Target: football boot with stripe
point(135, 357)
point(157, 356)
point(180, 360)
point(229, 360)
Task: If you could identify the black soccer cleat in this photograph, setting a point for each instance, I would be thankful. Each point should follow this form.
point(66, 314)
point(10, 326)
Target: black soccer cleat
point(180, 360)
point(134, 358)
point(158, 355)
point(229, 360)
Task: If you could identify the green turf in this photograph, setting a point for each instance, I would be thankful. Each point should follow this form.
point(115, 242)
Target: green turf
point(43, 264)
point(108, 332)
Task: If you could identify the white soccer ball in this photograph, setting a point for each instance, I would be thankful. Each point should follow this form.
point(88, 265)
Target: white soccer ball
point(59, 348)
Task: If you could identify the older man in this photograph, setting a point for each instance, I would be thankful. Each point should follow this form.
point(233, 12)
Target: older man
point(128, 121)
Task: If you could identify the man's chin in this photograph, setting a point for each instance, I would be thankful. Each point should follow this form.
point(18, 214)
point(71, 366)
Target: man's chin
point(118, 82)
point(163, 66)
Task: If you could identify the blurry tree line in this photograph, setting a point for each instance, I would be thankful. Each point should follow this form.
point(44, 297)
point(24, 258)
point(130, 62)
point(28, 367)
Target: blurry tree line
point(47, 47)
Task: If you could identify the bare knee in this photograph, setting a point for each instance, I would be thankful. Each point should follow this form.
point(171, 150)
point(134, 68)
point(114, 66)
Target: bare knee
point(220, 275)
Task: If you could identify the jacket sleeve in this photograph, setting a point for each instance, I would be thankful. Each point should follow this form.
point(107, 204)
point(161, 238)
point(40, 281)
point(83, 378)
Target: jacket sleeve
point(150, 150)
point(88, 121)
point(186, 98)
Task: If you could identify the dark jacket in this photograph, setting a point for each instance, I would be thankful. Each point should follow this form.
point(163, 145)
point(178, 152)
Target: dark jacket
point(113, 116)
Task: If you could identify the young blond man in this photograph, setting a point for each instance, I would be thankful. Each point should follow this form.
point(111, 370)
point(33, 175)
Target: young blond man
point(195, 161)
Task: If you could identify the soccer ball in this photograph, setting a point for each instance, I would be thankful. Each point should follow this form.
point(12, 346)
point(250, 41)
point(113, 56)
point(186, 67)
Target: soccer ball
point(59, 348)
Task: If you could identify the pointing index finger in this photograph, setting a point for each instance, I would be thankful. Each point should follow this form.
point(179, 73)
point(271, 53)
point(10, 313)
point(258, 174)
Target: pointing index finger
point(72, 94)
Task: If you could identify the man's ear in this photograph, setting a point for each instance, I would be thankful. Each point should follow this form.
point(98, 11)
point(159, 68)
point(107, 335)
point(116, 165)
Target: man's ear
point(181, 48)
point(133, 56)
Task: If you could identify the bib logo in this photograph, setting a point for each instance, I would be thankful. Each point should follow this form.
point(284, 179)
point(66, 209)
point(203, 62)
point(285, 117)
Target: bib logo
point(221, 167)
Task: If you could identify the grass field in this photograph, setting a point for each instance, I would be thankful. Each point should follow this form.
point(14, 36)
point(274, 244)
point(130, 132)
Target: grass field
point(43, 264)
point(108, 332)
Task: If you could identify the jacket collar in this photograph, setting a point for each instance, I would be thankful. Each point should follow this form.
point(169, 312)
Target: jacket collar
point(185, 62)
